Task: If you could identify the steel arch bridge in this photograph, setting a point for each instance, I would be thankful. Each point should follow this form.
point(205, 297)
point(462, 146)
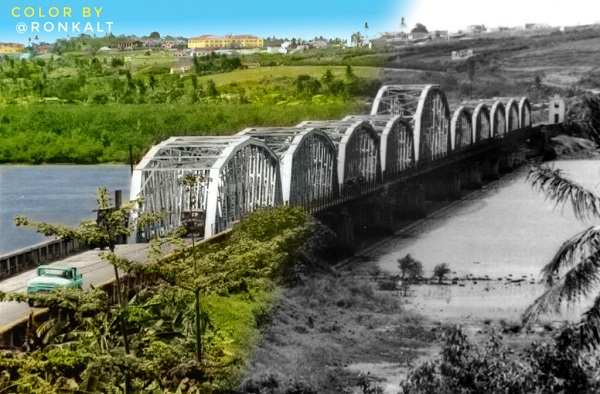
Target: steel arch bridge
point(308, 162)
point(396, 142)
point(240, 174)
point(461, 129)
point(357, 151)
point(427, 109)
point(408, 131)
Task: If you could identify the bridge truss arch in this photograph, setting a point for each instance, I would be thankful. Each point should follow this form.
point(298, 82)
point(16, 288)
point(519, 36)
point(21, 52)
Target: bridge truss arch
point(497, 119)
point(357, 150)
point(511, 106)
point(481, 123)
point(461, 129)
point(427, 108)
point(241, 174)
point(308, 162)
point(524, 113)
point(396, 142)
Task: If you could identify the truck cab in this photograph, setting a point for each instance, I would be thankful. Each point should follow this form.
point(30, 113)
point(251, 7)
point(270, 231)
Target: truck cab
point(50, 277)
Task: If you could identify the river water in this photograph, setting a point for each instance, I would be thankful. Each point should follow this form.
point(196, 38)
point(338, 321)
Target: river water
point(507, 227)
point(52, 193)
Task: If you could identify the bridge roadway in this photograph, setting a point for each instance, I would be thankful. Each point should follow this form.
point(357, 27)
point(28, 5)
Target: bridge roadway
point(95, 272)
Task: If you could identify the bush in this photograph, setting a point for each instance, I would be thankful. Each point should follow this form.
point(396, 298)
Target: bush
point(493, 368)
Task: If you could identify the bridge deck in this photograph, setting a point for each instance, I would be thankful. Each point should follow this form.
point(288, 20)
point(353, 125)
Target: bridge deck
point(95, 272)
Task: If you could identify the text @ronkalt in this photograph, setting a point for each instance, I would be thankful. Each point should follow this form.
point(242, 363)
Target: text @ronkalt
point(64, 19)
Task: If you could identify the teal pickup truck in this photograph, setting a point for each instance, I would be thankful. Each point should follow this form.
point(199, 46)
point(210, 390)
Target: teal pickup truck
point(50, 277)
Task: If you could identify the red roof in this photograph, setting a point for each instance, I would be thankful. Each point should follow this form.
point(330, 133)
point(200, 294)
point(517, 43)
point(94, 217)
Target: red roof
point(11, 44)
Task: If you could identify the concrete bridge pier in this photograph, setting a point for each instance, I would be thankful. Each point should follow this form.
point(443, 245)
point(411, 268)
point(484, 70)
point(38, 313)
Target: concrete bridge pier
point(490, 169)
point(340, 221)
point(410, 201)
point(506, 162)
point(443, 185)
point(470, 176)
point(374, 216)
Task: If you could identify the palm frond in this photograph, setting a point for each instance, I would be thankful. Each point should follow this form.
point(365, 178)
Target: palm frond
point(547, 303)
point(577, 283)
point(551, 182)
point(577, 249)
point(589, 326)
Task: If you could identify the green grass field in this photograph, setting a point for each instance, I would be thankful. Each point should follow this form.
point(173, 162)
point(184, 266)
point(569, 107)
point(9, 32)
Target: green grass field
point(256, 74)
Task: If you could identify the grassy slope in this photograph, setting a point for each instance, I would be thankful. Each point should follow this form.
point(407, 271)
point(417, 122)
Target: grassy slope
point(508, 63)
point(256, 74)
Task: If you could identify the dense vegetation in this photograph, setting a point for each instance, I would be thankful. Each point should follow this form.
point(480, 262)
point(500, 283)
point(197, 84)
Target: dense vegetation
point(92, 134)
point(492, 367)
point(148, 343)
point(75, 109)
point(84, 105)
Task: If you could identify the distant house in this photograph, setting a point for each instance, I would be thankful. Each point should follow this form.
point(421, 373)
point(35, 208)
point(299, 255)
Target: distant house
point(182, 53)
point(129, 45)
point(168, 44)
point(151, 44)
point(10, 47)
point(394, 37)
point(180, 68)
point(418, 36)
point(276, 50)
point(536, 26)
point(228, 41)
point(44, 49)
point(476, 29)
point(443, 34)
point(319, 44)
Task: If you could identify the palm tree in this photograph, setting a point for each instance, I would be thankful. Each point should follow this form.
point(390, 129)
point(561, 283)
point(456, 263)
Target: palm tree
point(573, 273)
point(402, 24)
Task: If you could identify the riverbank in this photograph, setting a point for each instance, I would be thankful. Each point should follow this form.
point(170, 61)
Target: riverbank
point(339, 325)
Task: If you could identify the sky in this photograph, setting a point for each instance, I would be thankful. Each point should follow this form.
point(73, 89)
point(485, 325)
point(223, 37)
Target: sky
point(457, 14)
point(24, 19)
point(21, 20)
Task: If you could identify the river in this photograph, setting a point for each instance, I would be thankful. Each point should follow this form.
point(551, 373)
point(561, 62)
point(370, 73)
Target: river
point(495, 241)
point(52, 193)
point(507, 226)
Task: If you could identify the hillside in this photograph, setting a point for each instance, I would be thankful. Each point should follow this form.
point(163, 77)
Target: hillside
point(109, 101)
point(537, 64)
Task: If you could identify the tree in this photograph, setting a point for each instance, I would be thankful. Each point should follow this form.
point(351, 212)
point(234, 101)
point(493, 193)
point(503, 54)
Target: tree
point(419, 28)
point(441, 271)
point(111, 225)
point(191, 182)
point(263, 246)
point(410, 269)
point(574, 271)
point(402, 24)
point(583, 117)
point(155, 35)
point(211, 89)
point(492, 367)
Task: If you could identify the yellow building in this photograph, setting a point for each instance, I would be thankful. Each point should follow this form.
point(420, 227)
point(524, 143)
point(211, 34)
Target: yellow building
point(10, 47)
point(228, 41)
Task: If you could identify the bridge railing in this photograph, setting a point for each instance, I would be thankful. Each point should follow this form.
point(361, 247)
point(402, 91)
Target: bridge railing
point(356, 190)
point(42, 253)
